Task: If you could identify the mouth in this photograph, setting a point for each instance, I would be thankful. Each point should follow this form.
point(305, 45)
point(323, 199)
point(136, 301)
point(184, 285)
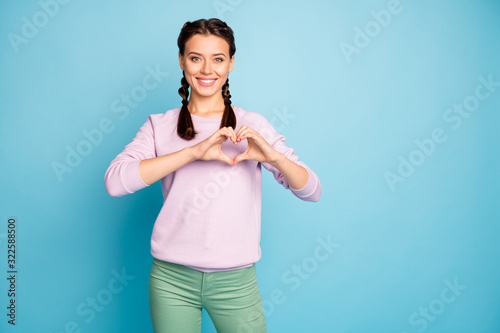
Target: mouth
point(206, 82)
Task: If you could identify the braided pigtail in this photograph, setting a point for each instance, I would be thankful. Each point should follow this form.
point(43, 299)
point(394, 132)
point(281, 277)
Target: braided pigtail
point(228, 117)
point(185, 127)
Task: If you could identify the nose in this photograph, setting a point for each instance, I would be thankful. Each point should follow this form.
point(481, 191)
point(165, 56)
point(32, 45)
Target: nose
point(206, 69)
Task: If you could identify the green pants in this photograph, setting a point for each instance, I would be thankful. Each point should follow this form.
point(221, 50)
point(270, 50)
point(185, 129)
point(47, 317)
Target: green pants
point(178, 293)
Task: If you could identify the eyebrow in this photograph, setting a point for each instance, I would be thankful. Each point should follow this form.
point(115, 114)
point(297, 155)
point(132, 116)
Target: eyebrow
point(216, 54)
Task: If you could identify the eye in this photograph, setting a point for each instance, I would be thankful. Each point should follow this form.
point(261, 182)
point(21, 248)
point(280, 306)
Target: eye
point(219, 60)
point(195, 58)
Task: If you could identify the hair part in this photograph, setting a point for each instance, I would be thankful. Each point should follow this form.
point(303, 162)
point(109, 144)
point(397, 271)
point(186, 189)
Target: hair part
point(216, 27)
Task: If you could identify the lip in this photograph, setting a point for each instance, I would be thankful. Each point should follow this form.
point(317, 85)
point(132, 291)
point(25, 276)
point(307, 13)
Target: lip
point(206, 84)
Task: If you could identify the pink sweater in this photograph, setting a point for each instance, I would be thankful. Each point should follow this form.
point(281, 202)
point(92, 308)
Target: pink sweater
point(210, 219)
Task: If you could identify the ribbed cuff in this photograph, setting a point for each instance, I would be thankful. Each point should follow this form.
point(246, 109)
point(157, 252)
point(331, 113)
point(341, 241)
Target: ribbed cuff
point(310, 188)
point(131, 178)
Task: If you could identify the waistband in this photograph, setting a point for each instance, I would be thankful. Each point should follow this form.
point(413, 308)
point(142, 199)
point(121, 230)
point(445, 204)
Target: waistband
point(185, 268)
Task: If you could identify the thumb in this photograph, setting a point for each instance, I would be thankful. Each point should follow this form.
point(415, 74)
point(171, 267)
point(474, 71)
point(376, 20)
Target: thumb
point(241, 157)
point(224, 158)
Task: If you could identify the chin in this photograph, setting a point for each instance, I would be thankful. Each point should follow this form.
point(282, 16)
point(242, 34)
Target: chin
point(202, 91)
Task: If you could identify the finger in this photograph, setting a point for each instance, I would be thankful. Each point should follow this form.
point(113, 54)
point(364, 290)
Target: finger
point(246, 133)
point(262, 149)
point(250, 135)
point(243, 135)
point(241, 157)
point(229, 133)
point(225, 133)
point(241, 130)
point(223, 157)
point(233, 134)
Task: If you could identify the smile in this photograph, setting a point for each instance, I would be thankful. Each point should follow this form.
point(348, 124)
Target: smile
point(206, 82)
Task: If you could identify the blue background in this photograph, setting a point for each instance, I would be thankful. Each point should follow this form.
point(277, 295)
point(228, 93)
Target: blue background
point(352, 117)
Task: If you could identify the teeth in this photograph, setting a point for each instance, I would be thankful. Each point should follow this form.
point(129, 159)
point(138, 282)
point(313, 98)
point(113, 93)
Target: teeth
point(207, 81)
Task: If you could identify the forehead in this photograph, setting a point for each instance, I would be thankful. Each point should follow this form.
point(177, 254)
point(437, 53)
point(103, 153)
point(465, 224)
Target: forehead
point(207, 44)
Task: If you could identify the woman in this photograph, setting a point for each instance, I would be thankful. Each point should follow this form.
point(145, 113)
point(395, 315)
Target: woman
point(208, 156)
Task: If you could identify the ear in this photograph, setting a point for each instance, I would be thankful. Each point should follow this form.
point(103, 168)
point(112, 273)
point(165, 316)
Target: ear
point(231, 64)
point(181, 61)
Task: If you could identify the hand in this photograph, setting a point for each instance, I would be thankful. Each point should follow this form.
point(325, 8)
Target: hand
point(210, 148)
point(258, 148)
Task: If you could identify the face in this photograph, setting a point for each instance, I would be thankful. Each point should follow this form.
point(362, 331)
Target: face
point(206, 64)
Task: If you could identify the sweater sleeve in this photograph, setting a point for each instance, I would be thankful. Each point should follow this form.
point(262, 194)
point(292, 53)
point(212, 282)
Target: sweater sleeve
point(312, 190)
point(122, 176)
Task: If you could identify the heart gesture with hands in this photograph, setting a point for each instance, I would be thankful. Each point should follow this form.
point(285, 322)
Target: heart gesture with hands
point(258, 148)
point(210, 148)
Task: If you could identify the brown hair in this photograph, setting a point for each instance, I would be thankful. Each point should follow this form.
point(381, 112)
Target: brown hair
point(213, 26)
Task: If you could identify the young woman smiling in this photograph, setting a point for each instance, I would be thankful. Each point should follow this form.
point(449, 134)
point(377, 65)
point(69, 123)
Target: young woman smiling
point(208, 156)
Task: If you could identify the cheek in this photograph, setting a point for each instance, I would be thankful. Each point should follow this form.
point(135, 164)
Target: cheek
point(190, 73)
point(191, 66)
point(190, 70)
point(222, 70)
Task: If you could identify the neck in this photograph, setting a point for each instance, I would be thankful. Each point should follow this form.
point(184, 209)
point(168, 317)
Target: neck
point(206, 106)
